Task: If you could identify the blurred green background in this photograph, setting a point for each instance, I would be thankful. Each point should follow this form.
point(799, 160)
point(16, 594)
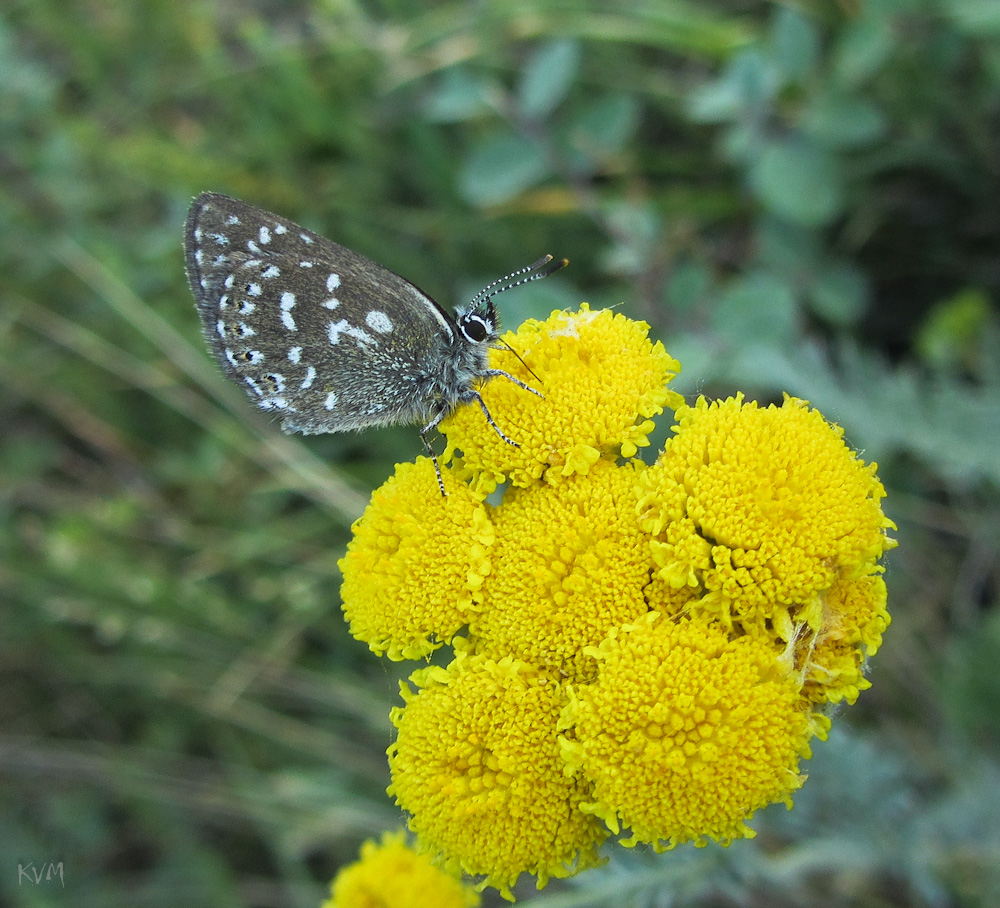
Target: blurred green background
point(797, 196)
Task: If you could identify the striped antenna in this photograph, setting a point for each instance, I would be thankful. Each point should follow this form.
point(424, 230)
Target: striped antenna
point(534, 272)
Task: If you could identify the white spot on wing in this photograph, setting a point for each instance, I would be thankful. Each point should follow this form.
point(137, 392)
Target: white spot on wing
point(287, 301)
point(361, 335)
point(333, 282)
point(331, 400)
point(245, 330)
point(335, 330)
point(379, 321)
point(306, 264)
point(264, 235)
point(309, 379)
point(246, 307)
point(253, 289)
point(253, 247)
point(271, 270)
point(230, 357)
point(306, 238)
point(294, 354)
point(280, 228)
point(220, 327)
point(331, 303)
point(344, 327)
point(229, 281)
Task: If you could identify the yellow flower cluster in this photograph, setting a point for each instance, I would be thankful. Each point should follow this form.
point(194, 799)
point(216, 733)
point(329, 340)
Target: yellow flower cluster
point(640, 648)
point(390, 874)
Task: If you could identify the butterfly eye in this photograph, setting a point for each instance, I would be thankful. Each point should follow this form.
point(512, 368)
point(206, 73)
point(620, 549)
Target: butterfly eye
point(475, 328)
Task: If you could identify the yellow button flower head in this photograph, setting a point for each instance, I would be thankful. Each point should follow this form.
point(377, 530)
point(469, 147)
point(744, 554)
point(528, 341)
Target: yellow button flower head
point(686, 732)
point(390, 874)
point(569, 564)
point(762, 509)
point(408, 587)
point(476, 763)
point(603, 380)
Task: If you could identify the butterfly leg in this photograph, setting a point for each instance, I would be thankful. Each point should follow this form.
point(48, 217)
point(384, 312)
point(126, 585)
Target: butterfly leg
point(434, 460)
point(471, 395)
point(492, 373)
point(433, 424)
point(476, 396)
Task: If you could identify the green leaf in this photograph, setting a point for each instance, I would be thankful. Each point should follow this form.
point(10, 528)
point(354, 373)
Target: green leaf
point(637, 226)
point(839, 121)
point(757, 309)
point(975, 17)
point(839, 294)
point(795, 44)
point(458, 95)
point(749, 82)
point(786, 247)
point(952, 329)
point(500, 168)
point(688, 284)
point(862, 49)
point(605, 125)
point(548, 77)
point(971, 683)
point(798, 180)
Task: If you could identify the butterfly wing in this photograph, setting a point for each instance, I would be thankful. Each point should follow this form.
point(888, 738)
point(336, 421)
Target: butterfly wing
point(326, 339)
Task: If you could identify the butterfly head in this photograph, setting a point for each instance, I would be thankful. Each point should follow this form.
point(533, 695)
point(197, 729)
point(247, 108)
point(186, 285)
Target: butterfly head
point(477, 323)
